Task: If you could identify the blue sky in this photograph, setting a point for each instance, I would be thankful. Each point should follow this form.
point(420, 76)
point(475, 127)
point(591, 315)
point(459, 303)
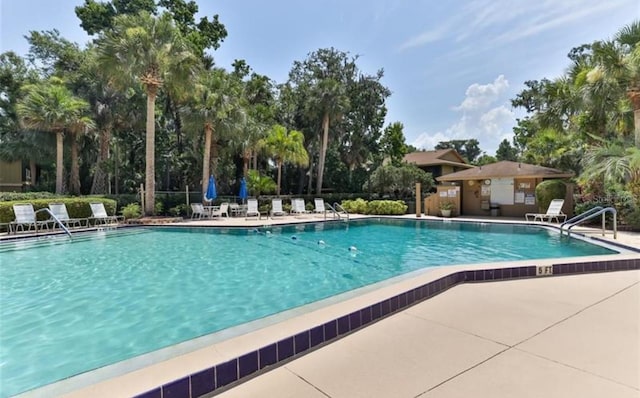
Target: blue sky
point(452, 66)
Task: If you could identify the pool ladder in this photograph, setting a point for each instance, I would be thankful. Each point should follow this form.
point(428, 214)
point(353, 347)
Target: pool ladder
point(338, 212)
point(588, 215)
point(55, 219)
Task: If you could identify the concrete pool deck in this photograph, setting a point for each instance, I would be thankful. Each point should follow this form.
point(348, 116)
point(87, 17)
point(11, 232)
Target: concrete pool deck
point(550, 336)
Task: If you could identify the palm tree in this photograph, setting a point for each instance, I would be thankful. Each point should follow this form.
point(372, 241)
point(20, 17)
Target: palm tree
point(147, 50)
point(285, 147)
point(330, 99)
point(216, 108)
point(50, 106)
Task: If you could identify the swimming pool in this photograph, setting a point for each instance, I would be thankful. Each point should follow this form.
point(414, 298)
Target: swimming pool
point(68, 307)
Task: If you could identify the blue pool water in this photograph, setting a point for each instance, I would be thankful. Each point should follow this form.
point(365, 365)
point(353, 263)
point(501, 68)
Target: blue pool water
point(71, 306)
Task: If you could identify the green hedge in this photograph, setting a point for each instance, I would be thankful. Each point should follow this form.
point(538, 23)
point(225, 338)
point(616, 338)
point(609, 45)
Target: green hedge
point(76, 207)
point(377, 207)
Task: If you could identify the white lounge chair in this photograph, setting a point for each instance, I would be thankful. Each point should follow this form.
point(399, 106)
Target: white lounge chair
point(320, 207)
point(198, 211)
point(252, 208)
point(25, 215)
point(59, 210)
point(100, 216)
point(553, 212)
point(276, 208)
point(222, 211)
point(298, 206)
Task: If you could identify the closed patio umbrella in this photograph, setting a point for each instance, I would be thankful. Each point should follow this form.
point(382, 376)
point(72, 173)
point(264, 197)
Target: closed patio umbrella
point(211, 190)
point(243, 194)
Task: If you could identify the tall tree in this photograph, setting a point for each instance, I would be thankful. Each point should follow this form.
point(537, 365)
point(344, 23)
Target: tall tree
point(392, 143)
point(147, 50)
point(468, 149)
point(506, 151)
point(285, 147)
point(215, 108)
point(50, 106)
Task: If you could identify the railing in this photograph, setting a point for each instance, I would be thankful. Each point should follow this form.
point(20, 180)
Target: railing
point(590, 214)
point(333, 211)
point(56, 220)
point(341, 210)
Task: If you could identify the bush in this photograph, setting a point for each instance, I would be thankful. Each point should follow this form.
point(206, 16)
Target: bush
point(179, 210)
point(26, 196)
point(386, 207)
point(132, 210)
point(378, 207)
point(358, 206)
point(548, 190)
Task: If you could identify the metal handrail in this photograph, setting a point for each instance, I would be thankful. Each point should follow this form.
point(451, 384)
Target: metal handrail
point(588, 215)
point(55, 219)
point(581, 216)
point(341, 209)
point(334, 211)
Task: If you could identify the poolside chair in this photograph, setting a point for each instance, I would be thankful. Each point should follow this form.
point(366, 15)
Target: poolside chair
point(222, 211)
point(252, 208)
point(100, 216)
point(298, 206)
point(320, 207)
point(198, 211)
point(276, 208)
point(553, 212)
point(59, 210)
point(25, 215)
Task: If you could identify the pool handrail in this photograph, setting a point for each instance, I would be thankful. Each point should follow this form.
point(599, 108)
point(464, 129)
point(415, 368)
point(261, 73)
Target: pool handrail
point(56, 219)
point(588, 215)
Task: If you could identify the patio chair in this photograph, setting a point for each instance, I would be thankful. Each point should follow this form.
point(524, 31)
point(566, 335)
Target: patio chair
point(320, 207)
point(25, 215)
point(298, 206)
point(222, 211)
point(198, 211)
point(276, 208)
point(59, 210)
point(100, 216)
point(252, 208)
point(553, 212)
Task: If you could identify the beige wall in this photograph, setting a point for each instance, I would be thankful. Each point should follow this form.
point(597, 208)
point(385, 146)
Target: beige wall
point(10, 176)
point(472, 199)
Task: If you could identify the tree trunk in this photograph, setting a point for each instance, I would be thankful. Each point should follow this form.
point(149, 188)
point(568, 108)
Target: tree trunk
point(255, 160)
point(279, 175)
point(636, 124)
point(59, 161)
point(32, 170)
point(100, 176)
point(206, 157)
point(74, 179)
point(246, 157)
point(150, 169)
point(323, 152)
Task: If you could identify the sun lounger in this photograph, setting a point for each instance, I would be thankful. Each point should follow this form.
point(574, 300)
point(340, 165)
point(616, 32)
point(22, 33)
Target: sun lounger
point(252, 208)
point(59, 210)
point(100, 216)
point(319, 206)
point(553, 212)
point(276, 208)
point(298, 206)
point(222, 211)
point(26, 216)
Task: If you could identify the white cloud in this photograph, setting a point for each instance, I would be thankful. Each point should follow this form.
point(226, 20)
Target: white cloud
point(484, 117)
point(481, 96)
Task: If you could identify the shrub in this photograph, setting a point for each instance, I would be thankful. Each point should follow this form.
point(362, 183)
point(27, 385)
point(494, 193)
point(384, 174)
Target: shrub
point(358, 206)
point(179, 210)
point(26, 196)
point(386, 207)
point(548, 190)
point(132, 210)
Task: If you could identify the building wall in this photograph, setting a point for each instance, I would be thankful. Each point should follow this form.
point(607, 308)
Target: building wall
point(476, 201)
point(10, 176)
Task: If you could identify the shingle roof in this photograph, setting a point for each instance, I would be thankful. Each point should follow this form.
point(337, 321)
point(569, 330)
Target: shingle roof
point(432, 158)
point(505, 169)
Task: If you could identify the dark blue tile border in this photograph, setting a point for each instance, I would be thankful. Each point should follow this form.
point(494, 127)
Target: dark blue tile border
point(243, 367)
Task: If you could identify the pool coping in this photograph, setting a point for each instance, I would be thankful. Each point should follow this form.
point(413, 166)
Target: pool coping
point(243, 357)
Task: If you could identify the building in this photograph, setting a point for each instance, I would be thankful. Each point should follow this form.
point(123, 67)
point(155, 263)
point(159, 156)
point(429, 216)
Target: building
point(438, 163)
point(503, 188)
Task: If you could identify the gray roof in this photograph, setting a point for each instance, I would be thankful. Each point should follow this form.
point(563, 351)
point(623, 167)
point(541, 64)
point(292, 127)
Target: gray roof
point(506, 169)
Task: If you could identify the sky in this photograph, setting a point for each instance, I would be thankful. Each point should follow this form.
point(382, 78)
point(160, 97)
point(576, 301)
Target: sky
point(452, 66)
